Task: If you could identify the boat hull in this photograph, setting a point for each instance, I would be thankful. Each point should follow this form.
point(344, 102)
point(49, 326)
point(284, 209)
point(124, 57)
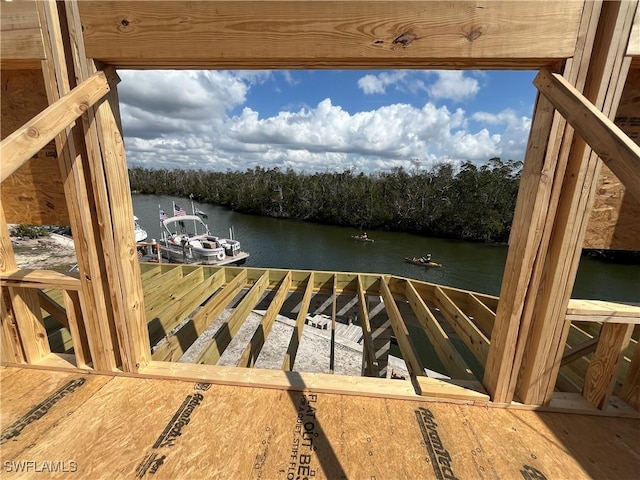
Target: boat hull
point(198, 257)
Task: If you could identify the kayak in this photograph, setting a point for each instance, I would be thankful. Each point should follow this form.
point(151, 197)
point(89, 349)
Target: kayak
point(417, 261)
point(360, 238)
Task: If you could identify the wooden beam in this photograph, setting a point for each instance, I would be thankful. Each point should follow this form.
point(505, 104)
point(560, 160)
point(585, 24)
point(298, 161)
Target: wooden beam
point(177, 344)
point(160, 286)
point(472, 392)
point(329, 34)
point(251, 352)
point(409, 355)
point(11, 344)
point(332, 349)
point(612, 224)
point(147, 273)
point(472, 306)
point(53, 308)
point(604, 365)
point(619, 152)
point(468, 332)
point(36, 279)
point(450, 358)
point(155, 312)
point(183, 302)
point(288, 381)
point(212, 352)
point(601, 312)
point(21, 45)
point(484, 317)
point(292, 349)
point(371, 367)
point(25, 142)
point(579, 351)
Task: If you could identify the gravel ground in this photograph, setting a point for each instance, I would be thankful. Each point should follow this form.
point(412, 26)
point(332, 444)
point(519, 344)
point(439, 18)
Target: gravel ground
point(54, 252)
point(313, 351)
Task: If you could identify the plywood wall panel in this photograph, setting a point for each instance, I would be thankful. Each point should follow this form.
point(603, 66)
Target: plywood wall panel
point(34, 194)
point(615, 217)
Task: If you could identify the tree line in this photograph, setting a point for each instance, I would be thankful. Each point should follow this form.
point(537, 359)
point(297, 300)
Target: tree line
point(470, 202)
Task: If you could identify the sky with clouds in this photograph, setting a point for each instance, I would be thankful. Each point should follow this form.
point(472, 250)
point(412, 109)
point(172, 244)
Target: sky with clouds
point(323, 120)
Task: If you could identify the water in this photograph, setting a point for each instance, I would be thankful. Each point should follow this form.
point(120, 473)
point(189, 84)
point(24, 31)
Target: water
point(288, 244)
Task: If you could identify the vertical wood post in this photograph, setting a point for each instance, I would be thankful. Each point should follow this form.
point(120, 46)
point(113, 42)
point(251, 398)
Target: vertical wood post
point(553, 206)
point(545, 162)
point(110, 185)
point(604, 365)
point(95, 301)
point(604, 84)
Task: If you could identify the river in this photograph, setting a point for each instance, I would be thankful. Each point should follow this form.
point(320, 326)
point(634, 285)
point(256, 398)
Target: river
point(290, 244)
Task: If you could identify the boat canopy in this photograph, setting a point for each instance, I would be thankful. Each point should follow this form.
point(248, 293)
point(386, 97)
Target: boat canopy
point(182, 218)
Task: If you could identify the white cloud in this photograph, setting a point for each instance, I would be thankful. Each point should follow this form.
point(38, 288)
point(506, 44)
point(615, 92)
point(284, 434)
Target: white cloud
point(512, 142)
point(377, 84)
point(187, 119)
point(438, 84)
point(453, 85)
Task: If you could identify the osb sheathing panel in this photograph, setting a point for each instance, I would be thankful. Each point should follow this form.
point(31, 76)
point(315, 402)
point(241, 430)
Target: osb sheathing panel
point(34, 194)
point(615, 217)
point(137, 428)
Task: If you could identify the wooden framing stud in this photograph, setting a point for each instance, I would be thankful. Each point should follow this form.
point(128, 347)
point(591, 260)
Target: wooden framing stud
point(468, 332)
point(603, 368)
point(409, 354)
point(371, 363)
point(177, 344)
point(251, 352)
point(296, 336)
point(450, 358)
point(221, 340)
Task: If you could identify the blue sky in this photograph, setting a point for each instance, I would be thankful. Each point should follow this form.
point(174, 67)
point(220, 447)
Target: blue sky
point(323, 120)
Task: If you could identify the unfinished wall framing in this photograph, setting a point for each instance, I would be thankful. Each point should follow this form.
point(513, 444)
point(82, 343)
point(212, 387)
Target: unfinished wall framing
point(63, 160)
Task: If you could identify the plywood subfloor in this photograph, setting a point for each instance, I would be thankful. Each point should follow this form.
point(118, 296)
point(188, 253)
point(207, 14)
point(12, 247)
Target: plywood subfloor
point(118, 427)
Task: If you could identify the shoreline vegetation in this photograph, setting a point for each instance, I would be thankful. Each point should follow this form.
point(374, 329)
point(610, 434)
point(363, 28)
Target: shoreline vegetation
point(474, 203)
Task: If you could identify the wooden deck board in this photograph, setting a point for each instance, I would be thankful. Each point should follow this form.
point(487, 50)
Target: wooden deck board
point(121, 427)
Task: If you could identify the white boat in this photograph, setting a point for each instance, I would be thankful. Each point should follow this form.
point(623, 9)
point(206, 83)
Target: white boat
point(139, 232)
point(179, 245)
